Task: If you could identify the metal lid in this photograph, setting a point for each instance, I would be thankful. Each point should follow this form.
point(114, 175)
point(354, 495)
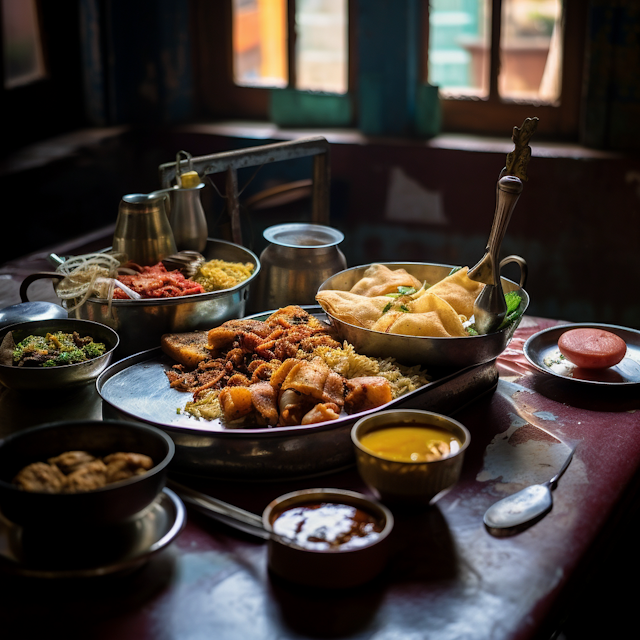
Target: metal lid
point(302, 235)
point(30, 311)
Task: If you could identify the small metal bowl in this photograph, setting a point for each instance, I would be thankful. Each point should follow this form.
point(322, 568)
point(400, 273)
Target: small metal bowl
point(331, 568)
point(411, 483)
point(442, 353)
point(44, 378)
point(111, 504)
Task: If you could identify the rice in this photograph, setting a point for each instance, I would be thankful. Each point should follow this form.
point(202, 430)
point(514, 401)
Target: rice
point(207, 407)
point(349, 364)
point(215, 275)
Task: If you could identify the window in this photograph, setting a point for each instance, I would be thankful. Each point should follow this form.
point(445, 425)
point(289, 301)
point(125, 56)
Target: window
point(41, 93)
point(261, 40)
point(253, 47)
point(22, 46)
point(494, 61)
point(498, 61)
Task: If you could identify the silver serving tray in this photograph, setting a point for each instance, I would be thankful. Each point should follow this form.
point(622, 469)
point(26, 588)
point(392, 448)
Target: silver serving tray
point(136, 388)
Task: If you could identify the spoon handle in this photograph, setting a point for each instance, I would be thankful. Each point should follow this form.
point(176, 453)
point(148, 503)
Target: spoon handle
point(552, 483)
point(227, 513)
point(508, 191)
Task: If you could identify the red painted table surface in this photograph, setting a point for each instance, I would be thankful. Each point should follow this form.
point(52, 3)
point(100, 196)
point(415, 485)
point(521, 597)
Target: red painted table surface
point(448, 577)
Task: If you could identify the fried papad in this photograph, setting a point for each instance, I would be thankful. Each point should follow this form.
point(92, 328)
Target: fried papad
point(379, 280)
point(353, 308)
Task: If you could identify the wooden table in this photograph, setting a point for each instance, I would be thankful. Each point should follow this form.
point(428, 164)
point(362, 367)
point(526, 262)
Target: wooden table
point(448, 578)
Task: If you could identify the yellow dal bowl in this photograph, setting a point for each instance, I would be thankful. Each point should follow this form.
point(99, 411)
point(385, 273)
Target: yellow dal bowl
point(398, 482)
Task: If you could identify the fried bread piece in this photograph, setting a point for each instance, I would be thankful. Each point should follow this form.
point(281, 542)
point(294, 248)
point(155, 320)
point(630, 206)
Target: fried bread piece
point(69, 461)
point(188, 349)
point(89, 476)
point(121, 465)
point(41, 476)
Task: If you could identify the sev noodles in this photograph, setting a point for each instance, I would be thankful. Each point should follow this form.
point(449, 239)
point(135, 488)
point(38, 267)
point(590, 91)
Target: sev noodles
point(214, 275)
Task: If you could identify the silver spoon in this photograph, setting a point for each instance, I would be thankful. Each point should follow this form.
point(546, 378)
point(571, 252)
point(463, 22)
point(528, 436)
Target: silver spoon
point(490, 307)
point(226, 513)
point(526, 505)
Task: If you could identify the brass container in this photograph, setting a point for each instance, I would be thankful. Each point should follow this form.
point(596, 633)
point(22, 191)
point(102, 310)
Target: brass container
point(299, 258)
point(411, 483)
point(143, 231)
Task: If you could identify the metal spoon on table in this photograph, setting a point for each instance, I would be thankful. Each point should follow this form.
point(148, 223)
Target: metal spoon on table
point(525, 505)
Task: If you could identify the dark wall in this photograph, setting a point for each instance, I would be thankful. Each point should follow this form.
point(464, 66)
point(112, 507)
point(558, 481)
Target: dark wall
point(577, 223)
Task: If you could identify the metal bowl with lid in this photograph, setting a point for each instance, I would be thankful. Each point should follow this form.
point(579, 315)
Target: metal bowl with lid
point(141, 323)
point(441, 353)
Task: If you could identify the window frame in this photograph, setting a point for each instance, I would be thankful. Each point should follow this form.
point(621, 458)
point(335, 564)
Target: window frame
point(466, 115)
point(213, 26)
point(487, 116)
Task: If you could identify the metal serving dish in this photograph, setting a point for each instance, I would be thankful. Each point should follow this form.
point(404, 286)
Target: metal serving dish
point(71, 375)
point(443, 353)
point(136, 388)
point(140, 323)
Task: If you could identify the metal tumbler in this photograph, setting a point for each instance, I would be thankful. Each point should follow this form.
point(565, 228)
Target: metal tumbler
point(143, 231)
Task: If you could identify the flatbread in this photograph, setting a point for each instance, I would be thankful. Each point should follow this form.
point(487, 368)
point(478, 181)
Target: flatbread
point(352, 308)
point(458, 290)
point(378, 280)
point(436, 319)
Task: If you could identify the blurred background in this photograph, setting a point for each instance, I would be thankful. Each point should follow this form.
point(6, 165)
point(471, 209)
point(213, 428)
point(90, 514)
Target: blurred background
point(418, 100)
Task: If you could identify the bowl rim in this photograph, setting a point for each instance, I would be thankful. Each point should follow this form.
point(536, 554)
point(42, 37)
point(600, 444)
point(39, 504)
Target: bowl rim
point(157, 468)
point(338, 496)
point(416, 412)
point(526, 301)
point(194, 297)
point(12, 327)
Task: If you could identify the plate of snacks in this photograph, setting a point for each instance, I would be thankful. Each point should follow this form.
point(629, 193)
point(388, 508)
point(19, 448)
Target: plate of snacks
point(270, 395)
point(420, 313)
point(54, 354)
point(141, 302)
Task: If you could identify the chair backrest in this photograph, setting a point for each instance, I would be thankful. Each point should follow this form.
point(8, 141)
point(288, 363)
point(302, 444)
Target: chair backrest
point(230, 161)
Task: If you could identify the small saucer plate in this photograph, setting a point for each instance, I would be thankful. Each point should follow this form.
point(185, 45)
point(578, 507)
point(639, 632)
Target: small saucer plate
point(541, 350)
point(99, 551)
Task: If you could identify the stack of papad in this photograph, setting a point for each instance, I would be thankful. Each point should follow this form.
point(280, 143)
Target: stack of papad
point(376, 302)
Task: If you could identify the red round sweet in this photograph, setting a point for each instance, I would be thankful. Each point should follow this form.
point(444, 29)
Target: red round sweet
point(592, 348)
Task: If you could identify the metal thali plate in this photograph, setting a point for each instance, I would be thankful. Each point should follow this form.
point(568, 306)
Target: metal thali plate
point(541, 350)
point(137, 388)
